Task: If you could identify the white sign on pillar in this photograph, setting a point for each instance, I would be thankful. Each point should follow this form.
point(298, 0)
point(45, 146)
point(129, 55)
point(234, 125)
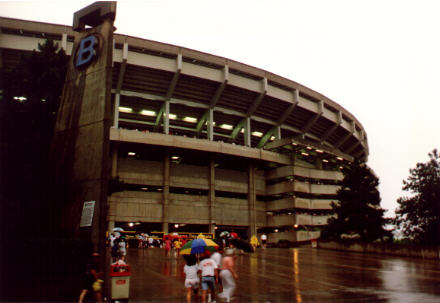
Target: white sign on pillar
point(87, 214)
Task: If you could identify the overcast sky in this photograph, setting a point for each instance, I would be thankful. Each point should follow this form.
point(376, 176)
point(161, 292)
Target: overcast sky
point(377, 59)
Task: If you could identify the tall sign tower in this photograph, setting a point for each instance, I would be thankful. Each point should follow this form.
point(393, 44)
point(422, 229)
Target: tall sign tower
point(80, 147)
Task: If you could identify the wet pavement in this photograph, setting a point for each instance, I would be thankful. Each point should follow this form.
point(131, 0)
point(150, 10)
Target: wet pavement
point(296, 275)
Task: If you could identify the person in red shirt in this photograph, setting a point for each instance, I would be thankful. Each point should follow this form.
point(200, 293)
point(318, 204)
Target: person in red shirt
point(167, 245)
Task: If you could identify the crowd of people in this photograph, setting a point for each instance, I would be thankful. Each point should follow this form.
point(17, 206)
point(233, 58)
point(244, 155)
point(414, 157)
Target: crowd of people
point(213, 270)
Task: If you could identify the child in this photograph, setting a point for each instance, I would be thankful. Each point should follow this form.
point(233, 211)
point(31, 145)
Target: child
point(192, 281)
point(177, 246)
point(208, 268)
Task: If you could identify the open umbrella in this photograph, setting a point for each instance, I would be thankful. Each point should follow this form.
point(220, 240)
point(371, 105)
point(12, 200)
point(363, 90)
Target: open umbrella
point(242, 244)
point(224, 233)
point(118, 229)
point(198, 246)
point(234, 235)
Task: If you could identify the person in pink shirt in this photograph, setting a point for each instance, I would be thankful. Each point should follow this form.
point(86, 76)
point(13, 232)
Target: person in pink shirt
point(228, 275)
point(167, 245)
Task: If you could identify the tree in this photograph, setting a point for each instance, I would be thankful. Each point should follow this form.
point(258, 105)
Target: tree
point(358, 213)
point(29, 102)
point(418, 216)
point(31, 95)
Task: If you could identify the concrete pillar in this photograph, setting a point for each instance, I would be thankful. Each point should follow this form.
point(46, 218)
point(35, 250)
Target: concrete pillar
point(64, 42)
point(165, 192)
point(116, 111)
point(247, 132)
point(166, 118)
point(211, 197)
point(114, 163)
point(252, 198)
point(111, 225)
point(81, 141)
point(277, 133)
point(210, 124)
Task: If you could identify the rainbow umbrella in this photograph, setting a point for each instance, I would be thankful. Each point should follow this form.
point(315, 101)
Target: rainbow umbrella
point(198, 246)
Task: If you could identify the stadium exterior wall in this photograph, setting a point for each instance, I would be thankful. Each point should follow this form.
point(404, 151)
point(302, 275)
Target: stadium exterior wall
point(207, 142)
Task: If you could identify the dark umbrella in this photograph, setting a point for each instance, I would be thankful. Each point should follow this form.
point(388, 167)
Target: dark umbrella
point(242, 244)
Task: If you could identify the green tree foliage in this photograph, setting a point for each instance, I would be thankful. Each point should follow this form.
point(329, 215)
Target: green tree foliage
point(358, 214)
point(418, 216)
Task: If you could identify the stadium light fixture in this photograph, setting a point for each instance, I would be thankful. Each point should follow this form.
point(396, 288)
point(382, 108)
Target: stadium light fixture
point(171, 116)
point(190, 119)
point(226, 126)
point(20, 98)
point(148, 113)
point(125, 109)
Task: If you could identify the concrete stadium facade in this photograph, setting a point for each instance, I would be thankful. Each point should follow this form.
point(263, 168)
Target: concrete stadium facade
point(203, 143)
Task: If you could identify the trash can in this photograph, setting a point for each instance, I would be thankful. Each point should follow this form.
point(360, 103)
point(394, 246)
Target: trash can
point(120, 282)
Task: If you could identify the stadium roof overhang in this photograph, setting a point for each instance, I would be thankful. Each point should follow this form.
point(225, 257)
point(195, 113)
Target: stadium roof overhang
point(159, 87)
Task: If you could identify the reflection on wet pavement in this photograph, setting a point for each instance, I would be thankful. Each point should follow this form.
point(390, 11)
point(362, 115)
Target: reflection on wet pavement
point(296, 275)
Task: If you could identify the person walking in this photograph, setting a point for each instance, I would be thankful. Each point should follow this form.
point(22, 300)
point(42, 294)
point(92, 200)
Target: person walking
point(167, 246)
point(254, 242)
point(217, 257)
point(177, 246)
point(263, 240)
point(207, 268)
point(192, 280)
point(228, 275)
point(122, 247)
point(92, 281)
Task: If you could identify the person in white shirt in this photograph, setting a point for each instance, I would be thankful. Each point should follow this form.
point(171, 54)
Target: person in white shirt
point(209, 274)
point(263, 240)
point(192, 281)
point(217, 257)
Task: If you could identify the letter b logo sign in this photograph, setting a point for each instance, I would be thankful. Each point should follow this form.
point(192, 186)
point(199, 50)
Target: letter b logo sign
point(86, 51)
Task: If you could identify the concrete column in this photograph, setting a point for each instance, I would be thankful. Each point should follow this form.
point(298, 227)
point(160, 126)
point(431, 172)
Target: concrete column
point(64, 42)
point(252, 197)
point(116, 111)
point(211, 197)
point(114, 163)
point(211, 124)
point(111, 225)
point(165, 192)
point(80, 162)
point(247, 132)
point(166, 118)
point(277, 133)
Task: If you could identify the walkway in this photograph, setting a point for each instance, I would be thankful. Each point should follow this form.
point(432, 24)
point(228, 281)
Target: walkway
point(296, 275)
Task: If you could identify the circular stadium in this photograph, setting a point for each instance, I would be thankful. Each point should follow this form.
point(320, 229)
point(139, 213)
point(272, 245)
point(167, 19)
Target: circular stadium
point(202, 143)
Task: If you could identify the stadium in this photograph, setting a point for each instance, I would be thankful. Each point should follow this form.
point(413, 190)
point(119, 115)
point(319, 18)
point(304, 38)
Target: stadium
point(202, 143)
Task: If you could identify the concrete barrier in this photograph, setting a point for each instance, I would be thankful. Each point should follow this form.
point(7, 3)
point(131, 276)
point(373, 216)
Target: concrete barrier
point(413, 251)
